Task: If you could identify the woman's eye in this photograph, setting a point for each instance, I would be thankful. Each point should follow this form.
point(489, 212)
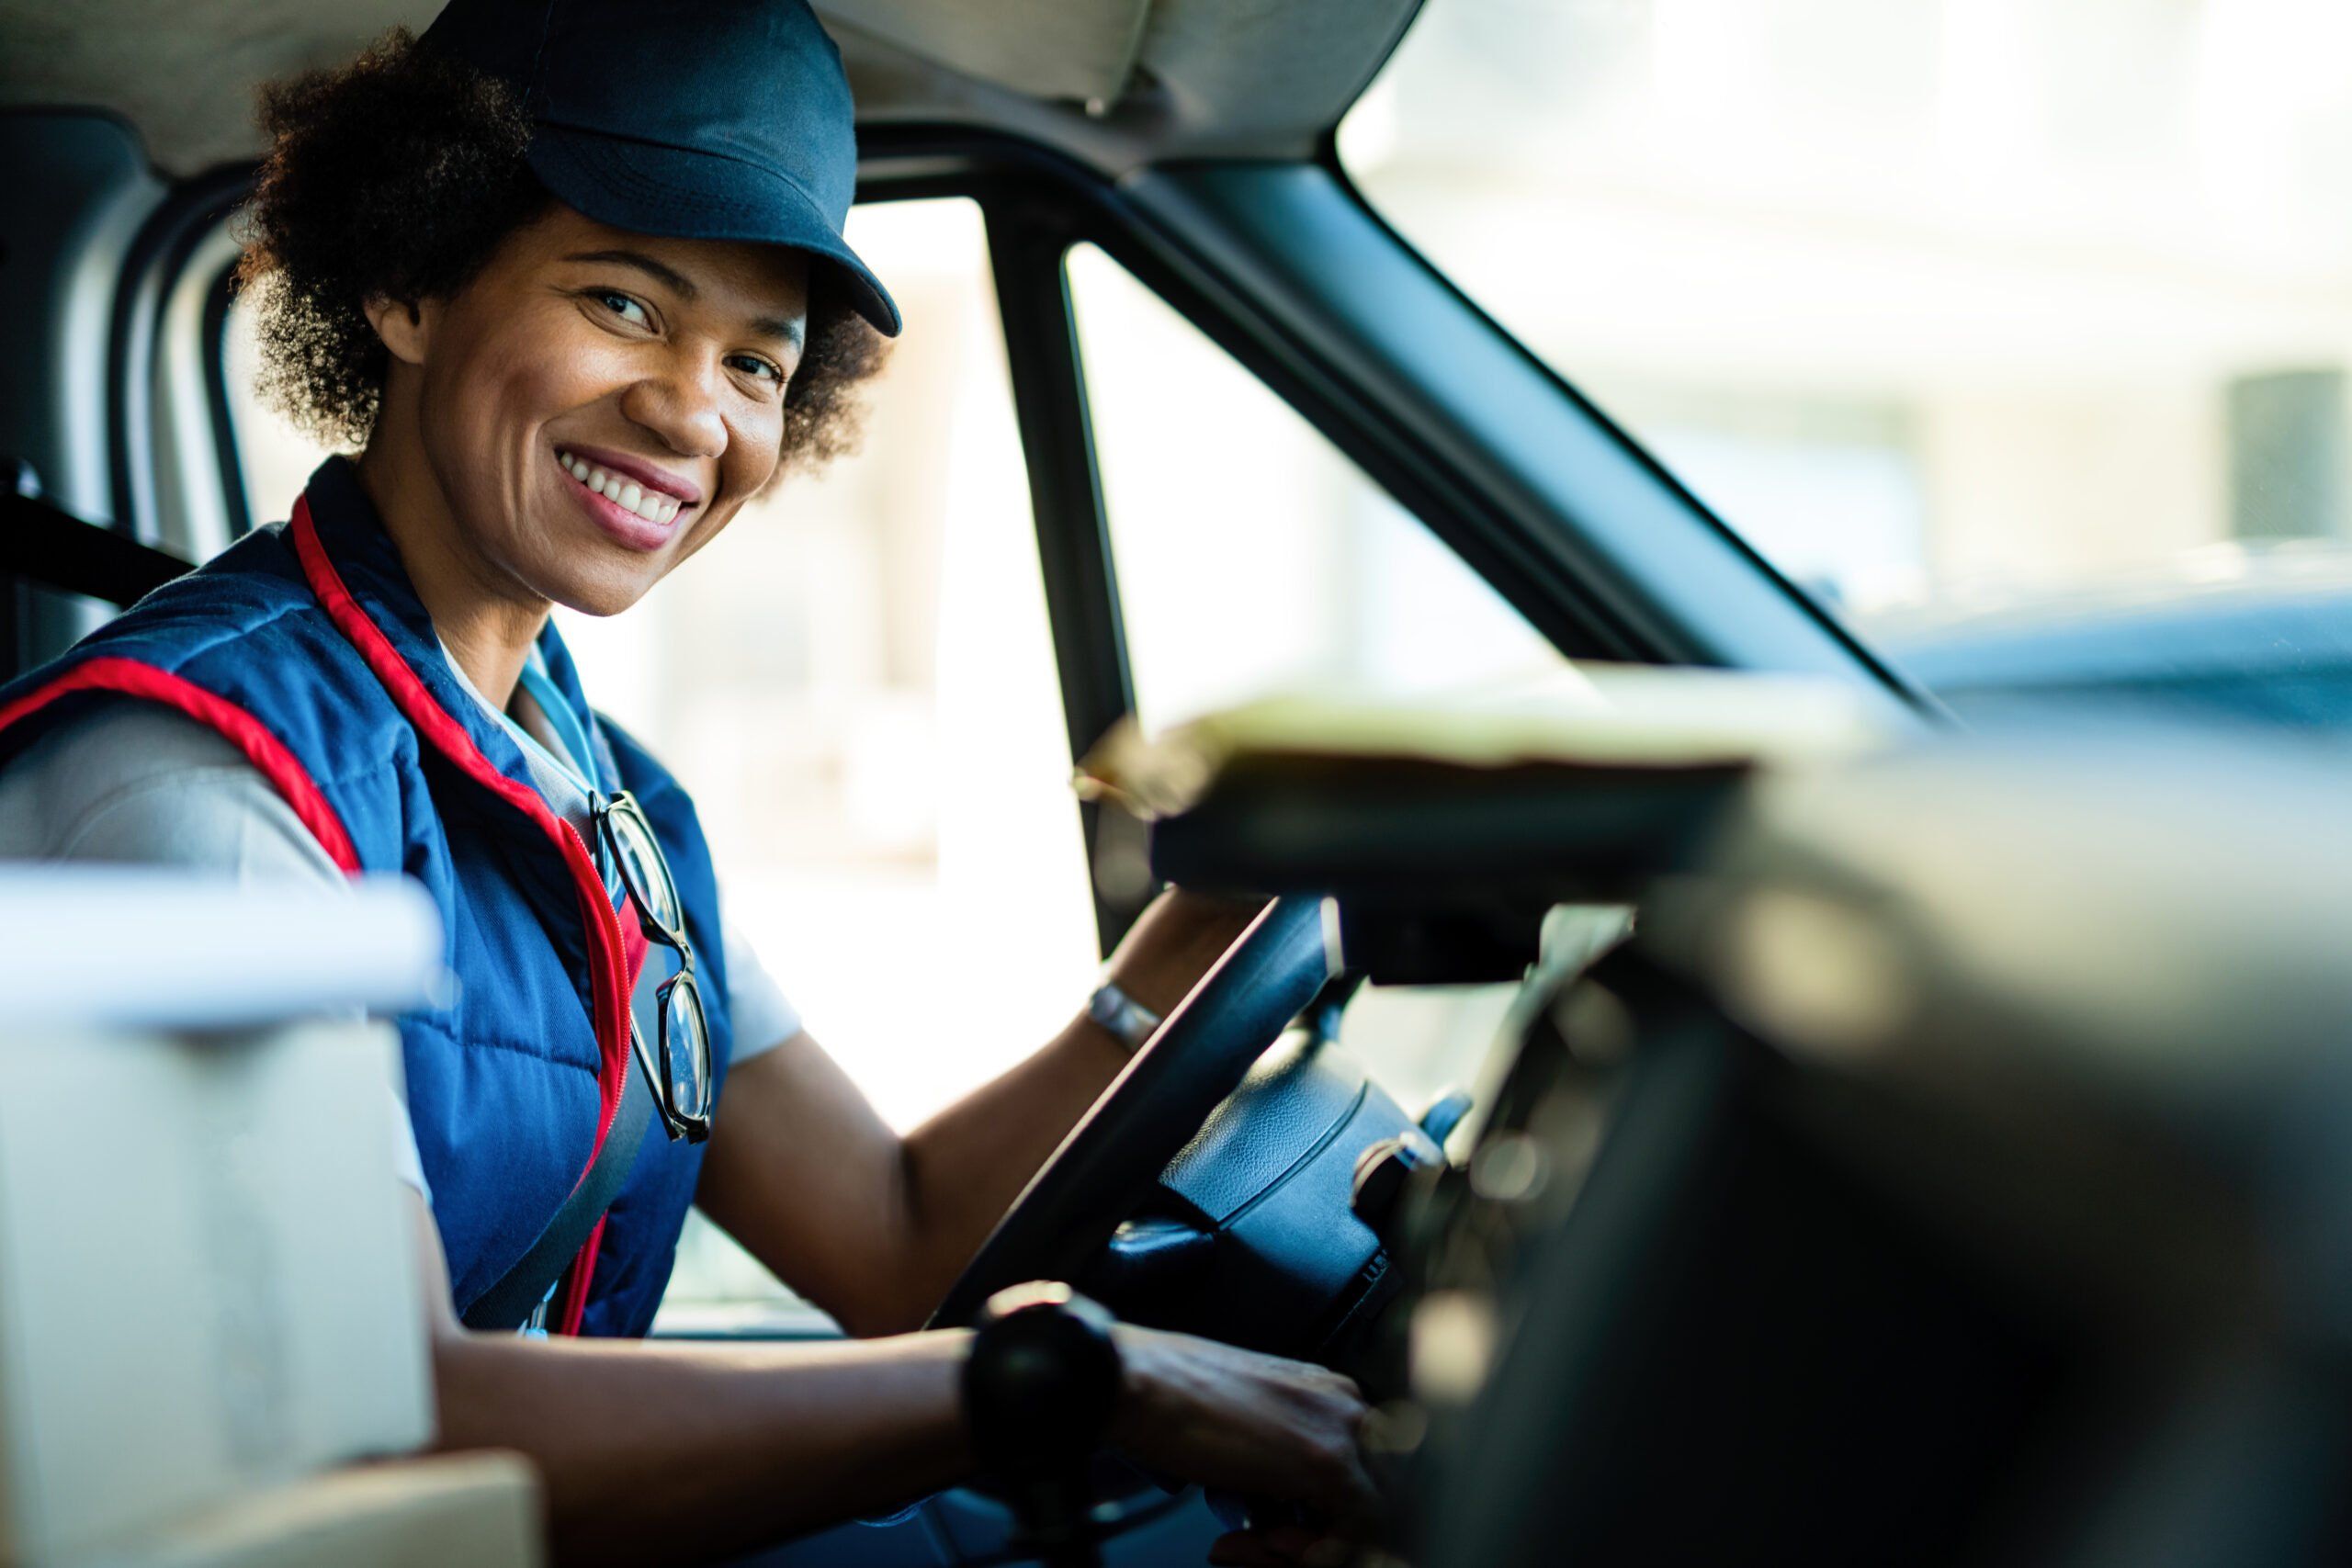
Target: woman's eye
point(621, 305)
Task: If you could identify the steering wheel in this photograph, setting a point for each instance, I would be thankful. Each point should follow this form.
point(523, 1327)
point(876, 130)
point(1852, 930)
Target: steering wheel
point(1109, 1161)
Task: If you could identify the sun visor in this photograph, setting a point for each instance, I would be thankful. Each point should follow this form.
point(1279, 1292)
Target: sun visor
point(1239, 67)
point(1247, 68)
point(1080, 49)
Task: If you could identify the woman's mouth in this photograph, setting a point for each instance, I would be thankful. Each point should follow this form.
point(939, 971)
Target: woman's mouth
point(634, 513)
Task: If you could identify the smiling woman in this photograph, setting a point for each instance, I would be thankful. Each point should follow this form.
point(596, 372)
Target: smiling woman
point(397, 207)
point(576, 309)
point(578, 341)
point(398, 175)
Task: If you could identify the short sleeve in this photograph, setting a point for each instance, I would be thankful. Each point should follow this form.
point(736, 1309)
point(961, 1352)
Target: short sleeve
point(139, 784)
point(135, 784)
point(762, 1017)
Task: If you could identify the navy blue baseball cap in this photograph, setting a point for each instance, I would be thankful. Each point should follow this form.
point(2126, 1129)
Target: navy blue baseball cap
point(694, 120)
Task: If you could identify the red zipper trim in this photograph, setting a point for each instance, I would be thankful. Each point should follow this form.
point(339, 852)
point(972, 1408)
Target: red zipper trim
point(582, 1271)
point(576, 1281)
point(608, 969)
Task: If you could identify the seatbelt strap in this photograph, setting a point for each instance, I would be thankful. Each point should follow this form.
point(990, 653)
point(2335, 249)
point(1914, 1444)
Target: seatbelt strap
point(42, 544)
point(510, 1302)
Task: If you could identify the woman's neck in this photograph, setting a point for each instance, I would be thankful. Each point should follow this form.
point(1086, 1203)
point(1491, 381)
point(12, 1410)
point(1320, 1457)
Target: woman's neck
point(486, 624)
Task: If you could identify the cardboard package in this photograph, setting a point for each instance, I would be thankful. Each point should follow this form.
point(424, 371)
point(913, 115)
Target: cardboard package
point(478, 1509)
point(209, 1301)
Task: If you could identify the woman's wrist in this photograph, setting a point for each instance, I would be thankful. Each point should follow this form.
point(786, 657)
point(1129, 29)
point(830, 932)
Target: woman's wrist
point(1141, 1385)
point(1149, 978)
point(1125, 1020)
point(1173, 943)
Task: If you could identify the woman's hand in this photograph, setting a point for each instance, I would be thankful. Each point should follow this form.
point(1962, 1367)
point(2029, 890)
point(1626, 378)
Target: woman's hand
point(1173, 943)
point(1250, 1423)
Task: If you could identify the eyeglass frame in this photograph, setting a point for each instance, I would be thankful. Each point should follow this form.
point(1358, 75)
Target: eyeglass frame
point(602, 809)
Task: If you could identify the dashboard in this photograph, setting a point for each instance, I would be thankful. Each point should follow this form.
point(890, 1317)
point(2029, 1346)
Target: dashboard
point(1892, 1161)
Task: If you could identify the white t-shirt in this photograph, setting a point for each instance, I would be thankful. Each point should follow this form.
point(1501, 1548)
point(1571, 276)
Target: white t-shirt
point(139, 783)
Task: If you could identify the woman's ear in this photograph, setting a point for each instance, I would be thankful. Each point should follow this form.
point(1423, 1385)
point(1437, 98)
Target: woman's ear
point(404, 325)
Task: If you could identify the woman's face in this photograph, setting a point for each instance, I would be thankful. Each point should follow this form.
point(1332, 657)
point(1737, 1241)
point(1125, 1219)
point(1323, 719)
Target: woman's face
point(597, 404)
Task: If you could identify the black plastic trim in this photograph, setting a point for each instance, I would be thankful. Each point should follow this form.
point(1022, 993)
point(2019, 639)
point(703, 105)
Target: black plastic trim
point(1027, 245)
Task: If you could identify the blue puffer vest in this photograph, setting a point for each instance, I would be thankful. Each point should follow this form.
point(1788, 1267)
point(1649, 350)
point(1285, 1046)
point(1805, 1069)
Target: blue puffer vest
point(306, 646)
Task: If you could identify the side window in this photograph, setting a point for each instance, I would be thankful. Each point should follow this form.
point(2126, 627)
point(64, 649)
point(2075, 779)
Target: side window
point(857, 683)
point(1253, 557)
point(273, 457)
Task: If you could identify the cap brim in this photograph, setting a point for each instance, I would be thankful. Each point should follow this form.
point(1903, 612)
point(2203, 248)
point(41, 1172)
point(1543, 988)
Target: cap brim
point(681, 194)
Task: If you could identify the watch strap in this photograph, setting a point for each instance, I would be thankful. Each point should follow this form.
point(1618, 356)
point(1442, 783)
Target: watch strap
point(1128, 1021)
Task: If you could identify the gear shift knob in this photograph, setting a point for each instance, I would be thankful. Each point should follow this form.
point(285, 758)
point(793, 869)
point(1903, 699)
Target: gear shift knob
point(1039, 1388)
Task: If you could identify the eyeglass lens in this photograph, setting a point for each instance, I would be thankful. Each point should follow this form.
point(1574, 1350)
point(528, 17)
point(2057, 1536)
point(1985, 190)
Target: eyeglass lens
point(641, 862)
point(689, 1042)
point(685, 1032)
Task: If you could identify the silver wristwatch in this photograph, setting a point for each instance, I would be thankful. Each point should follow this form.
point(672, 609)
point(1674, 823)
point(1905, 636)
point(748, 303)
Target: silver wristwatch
point(1129, 1022)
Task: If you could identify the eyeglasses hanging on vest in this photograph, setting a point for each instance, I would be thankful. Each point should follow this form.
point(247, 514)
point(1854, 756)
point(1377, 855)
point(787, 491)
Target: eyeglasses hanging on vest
point(679, 1069)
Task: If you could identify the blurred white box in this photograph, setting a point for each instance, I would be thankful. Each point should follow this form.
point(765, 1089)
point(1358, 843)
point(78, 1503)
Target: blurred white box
point(476, 1509)
point(207, 1273)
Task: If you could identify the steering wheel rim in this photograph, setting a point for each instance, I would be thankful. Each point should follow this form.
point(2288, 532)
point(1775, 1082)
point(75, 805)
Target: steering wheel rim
point(1198, 1057)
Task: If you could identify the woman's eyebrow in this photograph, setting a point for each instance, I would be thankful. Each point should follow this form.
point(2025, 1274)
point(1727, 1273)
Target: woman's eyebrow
point(781, 328)
point(669, 277)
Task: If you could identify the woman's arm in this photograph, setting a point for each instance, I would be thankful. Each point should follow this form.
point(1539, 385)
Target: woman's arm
point(678, 1453)
point(873, 1227)
point(667, 1453)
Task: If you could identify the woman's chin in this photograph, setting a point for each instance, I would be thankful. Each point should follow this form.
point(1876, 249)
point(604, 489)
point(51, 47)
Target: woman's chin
point(599, 594)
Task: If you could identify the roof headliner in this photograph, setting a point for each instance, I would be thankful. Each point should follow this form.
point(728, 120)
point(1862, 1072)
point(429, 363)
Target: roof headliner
point(1114, 83)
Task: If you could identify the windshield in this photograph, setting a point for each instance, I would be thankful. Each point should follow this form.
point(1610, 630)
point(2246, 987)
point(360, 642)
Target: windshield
point(2016, 331)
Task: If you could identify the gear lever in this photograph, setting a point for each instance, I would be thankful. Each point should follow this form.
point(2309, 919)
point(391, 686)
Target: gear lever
point(1039, 1387)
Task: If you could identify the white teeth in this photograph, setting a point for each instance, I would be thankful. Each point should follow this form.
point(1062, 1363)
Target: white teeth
point(650, 504)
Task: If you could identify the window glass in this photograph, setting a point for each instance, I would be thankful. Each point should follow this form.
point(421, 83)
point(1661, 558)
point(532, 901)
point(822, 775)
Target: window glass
point(856, 682)
point(274, 457)
point(1253, 557)
point(2017, 330)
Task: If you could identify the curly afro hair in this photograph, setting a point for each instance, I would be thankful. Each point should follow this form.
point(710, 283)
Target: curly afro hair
point(398, 175)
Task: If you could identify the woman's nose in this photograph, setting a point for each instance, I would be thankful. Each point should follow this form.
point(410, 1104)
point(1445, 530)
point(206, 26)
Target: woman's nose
point(680, 405)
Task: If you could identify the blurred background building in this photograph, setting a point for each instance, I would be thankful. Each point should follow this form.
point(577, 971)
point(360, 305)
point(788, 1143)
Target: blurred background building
point(1928, 298)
